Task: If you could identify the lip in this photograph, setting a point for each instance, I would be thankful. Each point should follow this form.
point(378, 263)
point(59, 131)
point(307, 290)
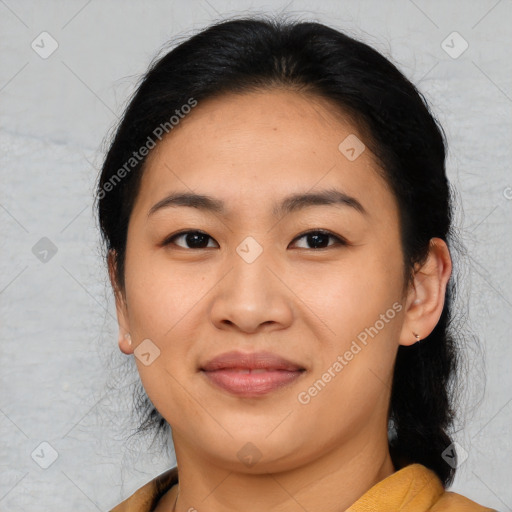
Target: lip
point(250, 361)
point(251, 374)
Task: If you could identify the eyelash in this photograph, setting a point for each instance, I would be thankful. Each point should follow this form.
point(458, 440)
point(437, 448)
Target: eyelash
point(339, 240)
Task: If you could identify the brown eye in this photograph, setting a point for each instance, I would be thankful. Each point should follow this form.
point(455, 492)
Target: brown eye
point(319, 238)
point(194, 239)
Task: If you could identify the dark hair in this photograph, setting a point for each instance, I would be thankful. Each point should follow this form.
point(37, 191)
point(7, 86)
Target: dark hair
point(247, 54)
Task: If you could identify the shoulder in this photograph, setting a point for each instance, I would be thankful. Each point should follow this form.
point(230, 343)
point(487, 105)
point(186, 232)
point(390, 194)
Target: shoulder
point(146, 497)
point(451, 501)
point(414, 488)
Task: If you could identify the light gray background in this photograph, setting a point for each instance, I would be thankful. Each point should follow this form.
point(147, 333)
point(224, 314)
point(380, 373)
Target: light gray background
point(58, 332)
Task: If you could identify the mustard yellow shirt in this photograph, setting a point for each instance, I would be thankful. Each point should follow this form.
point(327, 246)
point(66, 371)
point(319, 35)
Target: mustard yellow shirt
point(413, 488)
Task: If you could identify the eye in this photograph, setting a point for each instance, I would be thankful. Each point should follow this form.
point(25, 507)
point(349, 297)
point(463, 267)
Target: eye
point(319, 237)
point(199, 239)
point(196, 239)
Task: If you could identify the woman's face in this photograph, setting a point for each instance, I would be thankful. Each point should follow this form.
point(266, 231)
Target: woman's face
point(253, 282)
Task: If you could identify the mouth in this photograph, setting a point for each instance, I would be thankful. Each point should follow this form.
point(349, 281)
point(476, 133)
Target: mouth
point(251, 374)
point(249, 382)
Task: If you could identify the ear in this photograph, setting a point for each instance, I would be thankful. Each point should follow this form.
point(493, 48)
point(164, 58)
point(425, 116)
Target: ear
point(426, 294)
point(124, 339)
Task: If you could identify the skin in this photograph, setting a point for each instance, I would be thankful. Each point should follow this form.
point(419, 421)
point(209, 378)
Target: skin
point(304, 303)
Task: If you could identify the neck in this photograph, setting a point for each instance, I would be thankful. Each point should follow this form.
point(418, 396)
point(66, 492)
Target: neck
point(331, 483)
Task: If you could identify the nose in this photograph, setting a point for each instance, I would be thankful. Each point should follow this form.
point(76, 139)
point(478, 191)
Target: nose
point(253, 295)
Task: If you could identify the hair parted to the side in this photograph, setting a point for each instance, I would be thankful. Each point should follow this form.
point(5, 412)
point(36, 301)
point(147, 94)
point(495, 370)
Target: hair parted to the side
point(259, 53)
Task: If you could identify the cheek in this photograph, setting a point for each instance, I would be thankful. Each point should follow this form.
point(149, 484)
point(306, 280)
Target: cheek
point(361, 303)
point(354, 362)
point(161, 293)
point(351, 294)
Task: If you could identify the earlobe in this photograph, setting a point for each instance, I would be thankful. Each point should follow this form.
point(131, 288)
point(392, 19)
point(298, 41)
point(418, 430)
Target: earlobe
point(125, 342)
point(426, 295)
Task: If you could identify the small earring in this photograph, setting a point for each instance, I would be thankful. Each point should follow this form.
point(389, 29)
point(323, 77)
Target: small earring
point(417, 336)
point(129, 338)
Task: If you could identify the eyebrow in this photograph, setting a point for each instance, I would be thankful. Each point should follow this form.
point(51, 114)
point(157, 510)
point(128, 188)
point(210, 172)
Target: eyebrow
point(289, 204)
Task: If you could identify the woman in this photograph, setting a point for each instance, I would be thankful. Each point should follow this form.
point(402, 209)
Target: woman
point(278, 223)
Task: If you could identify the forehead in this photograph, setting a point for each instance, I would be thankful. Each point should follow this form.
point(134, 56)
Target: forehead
point(252, 148)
